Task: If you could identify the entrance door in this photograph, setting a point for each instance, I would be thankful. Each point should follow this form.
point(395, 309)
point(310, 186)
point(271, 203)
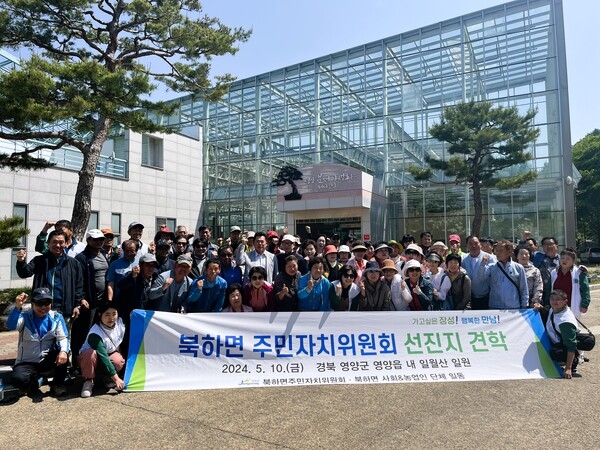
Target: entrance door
point(328, 227)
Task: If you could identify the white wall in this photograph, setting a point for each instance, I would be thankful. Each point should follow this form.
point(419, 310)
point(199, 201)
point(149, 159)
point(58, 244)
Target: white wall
point(175, 191)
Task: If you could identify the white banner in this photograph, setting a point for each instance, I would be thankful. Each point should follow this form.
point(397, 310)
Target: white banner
point(224, 350)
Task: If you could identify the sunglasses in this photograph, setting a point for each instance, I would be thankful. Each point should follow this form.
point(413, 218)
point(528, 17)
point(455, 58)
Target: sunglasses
point(412, 252)
point(42, 303)
point(414, 269)
point(182, 243)
point(435, 261)
point(257, 277)
point(98, 239)
point(349, 275)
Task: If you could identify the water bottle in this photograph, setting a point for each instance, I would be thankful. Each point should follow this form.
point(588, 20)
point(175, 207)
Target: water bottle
point(1, 389)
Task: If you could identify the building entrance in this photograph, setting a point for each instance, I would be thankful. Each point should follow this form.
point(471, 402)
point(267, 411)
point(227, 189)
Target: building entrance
point(343, 226)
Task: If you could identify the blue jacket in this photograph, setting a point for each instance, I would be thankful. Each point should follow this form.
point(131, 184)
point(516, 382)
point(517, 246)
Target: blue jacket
point(37, 337)
point(210, 298)
point(315, 300)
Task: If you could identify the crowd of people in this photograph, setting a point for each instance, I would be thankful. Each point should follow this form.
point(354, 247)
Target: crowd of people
point(96, 285)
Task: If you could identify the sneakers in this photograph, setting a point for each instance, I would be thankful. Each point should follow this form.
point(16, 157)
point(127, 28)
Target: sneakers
point(59, 390)
point(110, 384)
point(86, 391)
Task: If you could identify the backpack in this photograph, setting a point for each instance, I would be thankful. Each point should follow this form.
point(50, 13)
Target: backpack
point(448, 303)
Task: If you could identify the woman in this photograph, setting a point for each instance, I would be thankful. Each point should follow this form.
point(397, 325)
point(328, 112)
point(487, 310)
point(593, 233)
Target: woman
point(343, 293)
point(309, 249)
point(358, 260)
point(370, 256)
point(534, 278)
point(101, 350)
point(234, 299)
point(455, 285)
point(285, 287)
point(375, 293)
point(562, 329)
point(313, 288)
point(420, 288)
point(401, 296)
point(435, 273)
point(574, 283)
point(321, 243)
point(332, 268)
point(258, 294)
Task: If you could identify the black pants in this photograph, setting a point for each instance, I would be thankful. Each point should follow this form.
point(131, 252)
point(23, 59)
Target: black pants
point(480, 302)
point(79, 331)
point(25, 374)
point(558, 352)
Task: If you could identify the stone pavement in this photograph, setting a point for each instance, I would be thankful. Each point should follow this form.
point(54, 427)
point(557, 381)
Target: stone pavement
point(532, 414)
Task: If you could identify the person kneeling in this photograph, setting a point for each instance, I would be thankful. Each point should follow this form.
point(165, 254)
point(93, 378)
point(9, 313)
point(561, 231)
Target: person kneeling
point(43, 344)
point(101, 350)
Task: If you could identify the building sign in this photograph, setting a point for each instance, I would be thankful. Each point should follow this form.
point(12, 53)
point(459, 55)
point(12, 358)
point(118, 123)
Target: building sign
point(202, 351)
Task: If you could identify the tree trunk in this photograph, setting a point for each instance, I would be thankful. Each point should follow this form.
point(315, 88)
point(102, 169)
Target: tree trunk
point(83, 197)
point(478, 209)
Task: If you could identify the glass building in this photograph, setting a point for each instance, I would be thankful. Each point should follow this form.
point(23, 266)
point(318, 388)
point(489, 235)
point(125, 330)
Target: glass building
point(369, 108)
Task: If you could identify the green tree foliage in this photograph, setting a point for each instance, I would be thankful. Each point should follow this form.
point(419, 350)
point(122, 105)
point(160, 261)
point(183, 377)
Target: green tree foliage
point(11, 231)
point(586, 157)
point(95, 64)
point(486, 144)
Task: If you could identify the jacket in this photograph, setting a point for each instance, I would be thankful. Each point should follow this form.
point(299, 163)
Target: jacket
point(33, 347)
point(71, 275)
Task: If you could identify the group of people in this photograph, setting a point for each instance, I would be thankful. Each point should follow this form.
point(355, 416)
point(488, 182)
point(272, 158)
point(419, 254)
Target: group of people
point(96, 286)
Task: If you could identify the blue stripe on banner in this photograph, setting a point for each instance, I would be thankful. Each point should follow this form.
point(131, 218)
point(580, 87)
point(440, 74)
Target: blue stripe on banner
point(535, 322)
point(140, 320)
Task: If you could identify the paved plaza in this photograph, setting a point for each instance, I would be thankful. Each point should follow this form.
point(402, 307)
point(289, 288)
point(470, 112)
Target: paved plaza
point(508, 414)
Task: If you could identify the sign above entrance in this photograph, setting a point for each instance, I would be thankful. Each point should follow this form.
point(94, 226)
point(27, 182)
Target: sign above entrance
point(322, 186)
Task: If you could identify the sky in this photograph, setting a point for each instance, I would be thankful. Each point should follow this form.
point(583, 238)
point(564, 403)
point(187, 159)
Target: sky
point(287, 32)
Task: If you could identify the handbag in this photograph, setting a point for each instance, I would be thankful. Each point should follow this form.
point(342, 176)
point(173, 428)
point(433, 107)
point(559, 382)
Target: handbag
point(585, 341)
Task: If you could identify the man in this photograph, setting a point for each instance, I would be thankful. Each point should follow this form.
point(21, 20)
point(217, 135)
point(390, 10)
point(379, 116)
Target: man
point(487, 245)
point(133, 293)
point(95, 266)
point(508, 281)
point(200, 255)
point(426, 240)
point(287, 249)
point(547, 261)
point(454, 243)
point(72, 246)
point(335, 240)
point(229, 271)
point(480, 283)
point(257, 257)
point(108, 247)
point(180, 247)
point(43, 344)
point(211, 287)
point(135, 230)
point(169, 291)
point(235, 234)
point(205, 233)
point(56, 271)
point(163, 256)
point(119, 268)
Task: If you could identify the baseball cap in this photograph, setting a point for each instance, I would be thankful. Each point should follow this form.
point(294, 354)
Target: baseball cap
point(94, 234)
point(185, 259)
point(148, 258)
point(288, 237)
point(41, 293)
point(234, 228)
point(162, 243)
point(454, 237)
point(134, 224)
point(108, 232)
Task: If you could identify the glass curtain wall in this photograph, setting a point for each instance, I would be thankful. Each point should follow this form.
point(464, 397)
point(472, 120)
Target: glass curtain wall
point(370, 107)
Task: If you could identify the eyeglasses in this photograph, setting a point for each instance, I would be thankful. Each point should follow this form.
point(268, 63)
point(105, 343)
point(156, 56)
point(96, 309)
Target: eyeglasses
point(435, 261)
point(98, 239)
point(349, 275)
point(414, 269)
point(43, 303)
point(257, 277)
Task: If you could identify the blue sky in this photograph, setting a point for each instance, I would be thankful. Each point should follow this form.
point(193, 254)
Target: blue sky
point(288, 32)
